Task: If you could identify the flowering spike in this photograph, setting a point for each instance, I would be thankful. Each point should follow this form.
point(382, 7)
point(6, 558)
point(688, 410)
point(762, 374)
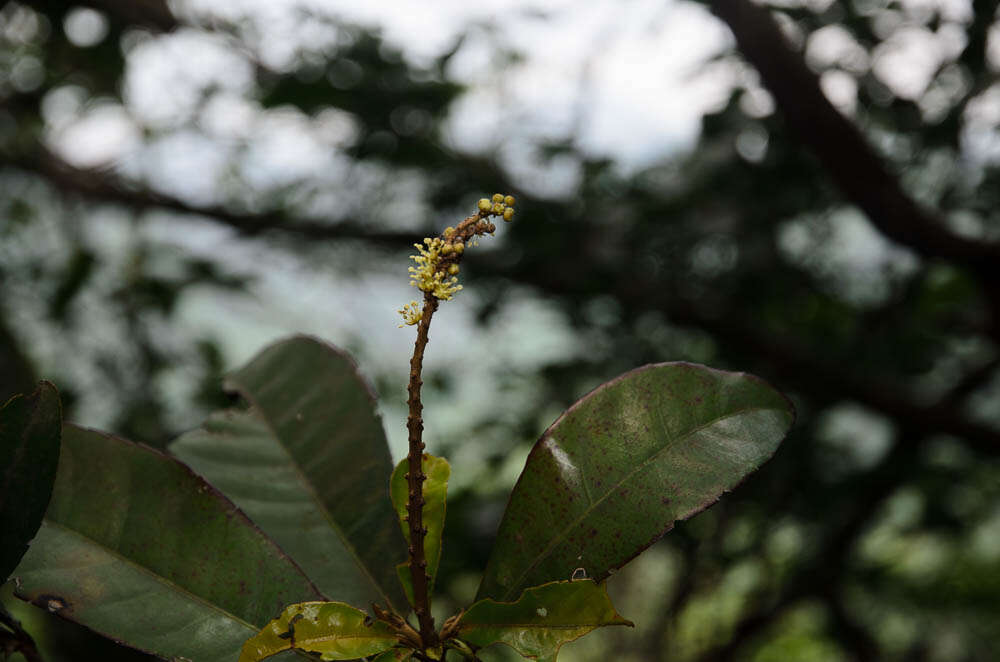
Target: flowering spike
point(437, 258)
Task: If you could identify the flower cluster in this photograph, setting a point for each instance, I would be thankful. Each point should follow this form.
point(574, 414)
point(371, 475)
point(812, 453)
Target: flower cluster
point(437, 267)
point(412, 314)
point(428, 275)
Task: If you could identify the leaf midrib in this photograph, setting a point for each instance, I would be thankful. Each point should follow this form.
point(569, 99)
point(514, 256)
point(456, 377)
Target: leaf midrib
point(594, 504)
point(297, 467)
point(194, 597)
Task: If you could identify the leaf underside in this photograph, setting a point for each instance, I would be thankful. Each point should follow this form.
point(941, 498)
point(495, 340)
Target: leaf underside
point(30, 428)
point(310, 465)
point(138, 548)
point(618, 468)
point(542, 619)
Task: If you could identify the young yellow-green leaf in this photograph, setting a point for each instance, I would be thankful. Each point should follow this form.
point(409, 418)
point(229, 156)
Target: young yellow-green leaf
point(136, 547)
point(618, 468)
point(333, 630)
point(309, 464)
point(29, 455)
point(435, 495)
point(542, 619)
point(395, 655)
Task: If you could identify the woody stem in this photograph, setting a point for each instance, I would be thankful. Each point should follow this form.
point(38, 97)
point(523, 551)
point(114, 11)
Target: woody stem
point(416, 478)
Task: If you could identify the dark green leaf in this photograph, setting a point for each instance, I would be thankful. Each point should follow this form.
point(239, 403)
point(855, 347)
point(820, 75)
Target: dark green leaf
point(435, 495)
point(29, 454)
point(542, 619)
point(334, 630)
point(138, 548)
point(310, 465)
point(619, 467)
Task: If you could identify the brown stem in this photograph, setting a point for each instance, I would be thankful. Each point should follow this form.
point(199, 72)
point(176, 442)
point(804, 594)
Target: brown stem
point(416, 478)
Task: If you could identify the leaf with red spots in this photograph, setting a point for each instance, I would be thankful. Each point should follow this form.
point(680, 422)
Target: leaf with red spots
point(136, 547)
point(618, 468)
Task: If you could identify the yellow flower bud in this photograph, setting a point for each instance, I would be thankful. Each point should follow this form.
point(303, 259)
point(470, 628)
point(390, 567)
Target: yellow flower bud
point(498, 208)
point(449, 231)
point(498, 197)
point(453, 269)
point(484, 204)
point(509, 201)
point(508, 214)
point(459, 247)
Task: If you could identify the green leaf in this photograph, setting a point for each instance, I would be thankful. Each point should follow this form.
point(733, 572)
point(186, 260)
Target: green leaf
point(435, 495)
point(333, 630)
point(542, 619)
point(138, 548)
point(310, 465)
point(29, 454)
point(395, 655)
point(618, 468)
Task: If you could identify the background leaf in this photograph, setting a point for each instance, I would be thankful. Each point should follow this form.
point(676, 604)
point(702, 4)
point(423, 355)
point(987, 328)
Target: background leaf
point(138, 548)
point(29, 454)
point(619, 467)
point(309, 463)
point(542, 619)
point(335, 630)
point(435, 495)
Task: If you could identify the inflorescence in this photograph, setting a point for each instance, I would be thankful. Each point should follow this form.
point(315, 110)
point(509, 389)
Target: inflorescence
point(437, 267)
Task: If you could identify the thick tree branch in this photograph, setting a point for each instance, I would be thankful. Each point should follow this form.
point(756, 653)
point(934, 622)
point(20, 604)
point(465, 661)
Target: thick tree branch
point(99, 186)
point(787, 361)
point(841, 148)
point(784, 360)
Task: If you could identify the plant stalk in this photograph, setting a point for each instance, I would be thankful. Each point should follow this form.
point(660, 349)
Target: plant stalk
point(416, 478)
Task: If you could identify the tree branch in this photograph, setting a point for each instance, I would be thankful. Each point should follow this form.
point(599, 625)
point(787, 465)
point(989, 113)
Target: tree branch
point(97, 185)
point(841, 148)
point(783, 359)
point(786, 360)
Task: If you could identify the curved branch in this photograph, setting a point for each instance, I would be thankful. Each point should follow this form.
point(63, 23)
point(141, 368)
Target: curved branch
point(845, 154)
point(99, 186)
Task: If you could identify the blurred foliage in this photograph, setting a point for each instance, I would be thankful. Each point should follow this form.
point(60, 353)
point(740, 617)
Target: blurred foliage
point(874, 533)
